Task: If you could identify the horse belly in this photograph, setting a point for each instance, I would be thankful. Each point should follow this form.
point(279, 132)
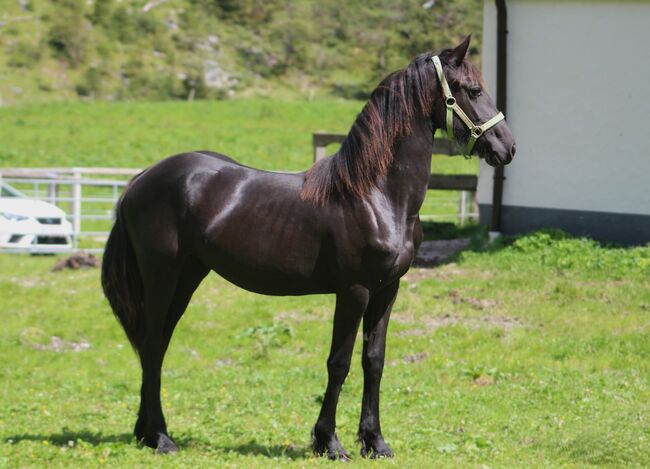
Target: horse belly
point(268, 263)
point(268, 281)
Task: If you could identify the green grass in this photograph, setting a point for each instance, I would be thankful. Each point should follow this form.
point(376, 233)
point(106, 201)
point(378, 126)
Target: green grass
point(531, 354)
point(265, 133)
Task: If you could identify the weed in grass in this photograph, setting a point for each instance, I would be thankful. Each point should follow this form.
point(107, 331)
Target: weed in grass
point(265, 337)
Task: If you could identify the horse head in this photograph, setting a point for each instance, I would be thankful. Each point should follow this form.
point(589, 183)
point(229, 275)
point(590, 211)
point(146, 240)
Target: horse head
point(468, 114)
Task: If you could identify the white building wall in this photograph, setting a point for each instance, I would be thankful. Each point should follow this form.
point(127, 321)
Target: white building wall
point(578, 104)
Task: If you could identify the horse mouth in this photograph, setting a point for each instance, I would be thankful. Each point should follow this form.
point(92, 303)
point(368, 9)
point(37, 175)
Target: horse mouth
point(497, 158)
point(494, 160)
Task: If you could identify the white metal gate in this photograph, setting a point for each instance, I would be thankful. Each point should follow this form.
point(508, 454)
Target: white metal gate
point(87, 196)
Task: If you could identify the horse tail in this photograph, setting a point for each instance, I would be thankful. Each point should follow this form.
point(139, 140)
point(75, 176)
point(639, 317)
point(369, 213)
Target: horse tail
point(121, 280)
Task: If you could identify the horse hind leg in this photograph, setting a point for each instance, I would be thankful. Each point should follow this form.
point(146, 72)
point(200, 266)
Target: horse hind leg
point(168, 290)
point(192, 274)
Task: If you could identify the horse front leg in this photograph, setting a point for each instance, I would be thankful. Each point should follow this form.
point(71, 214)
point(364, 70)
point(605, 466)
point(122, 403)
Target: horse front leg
point(375, 325)
point(350, 307)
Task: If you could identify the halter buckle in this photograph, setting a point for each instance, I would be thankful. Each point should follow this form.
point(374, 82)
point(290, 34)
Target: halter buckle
point(477, 132)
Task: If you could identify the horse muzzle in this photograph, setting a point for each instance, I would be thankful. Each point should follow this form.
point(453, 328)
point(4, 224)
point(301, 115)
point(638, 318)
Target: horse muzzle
point(495, 158)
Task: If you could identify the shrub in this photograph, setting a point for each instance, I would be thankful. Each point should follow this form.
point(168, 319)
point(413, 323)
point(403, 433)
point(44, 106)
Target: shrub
point(68, 34)
point(24, 55)
point(102, 12)
point(563, 253)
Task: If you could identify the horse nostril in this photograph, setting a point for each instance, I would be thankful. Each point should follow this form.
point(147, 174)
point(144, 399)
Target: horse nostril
point(513, 150)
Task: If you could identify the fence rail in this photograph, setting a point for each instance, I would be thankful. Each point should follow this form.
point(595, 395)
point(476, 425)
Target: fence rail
point(88, 195)
point(466, 184)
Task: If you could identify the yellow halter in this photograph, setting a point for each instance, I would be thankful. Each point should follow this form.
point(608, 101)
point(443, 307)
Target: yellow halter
point(476, 131)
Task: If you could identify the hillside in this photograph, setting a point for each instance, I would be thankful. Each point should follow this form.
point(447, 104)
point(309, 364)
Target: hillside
point(180, 49)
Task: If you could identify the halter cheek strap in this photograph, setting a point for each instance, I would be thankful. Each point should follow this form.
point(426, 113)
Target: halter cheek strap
point(476, 131)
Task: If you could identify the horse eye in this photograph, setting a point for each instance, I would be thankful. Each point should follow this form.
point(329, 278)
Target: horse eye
point(475, 92)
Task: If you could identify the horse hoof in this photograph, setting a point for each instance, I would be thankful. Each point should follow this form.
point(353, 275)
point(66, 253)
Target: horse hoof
point(344, 457)
point(340, 455)
point(165, 444)
point(376, 449)
point(330, 447)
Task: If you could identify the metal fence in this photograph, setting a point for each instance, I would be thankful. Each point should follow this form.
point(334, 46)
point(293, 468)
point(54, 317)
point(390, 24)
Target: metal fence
point(87, 195)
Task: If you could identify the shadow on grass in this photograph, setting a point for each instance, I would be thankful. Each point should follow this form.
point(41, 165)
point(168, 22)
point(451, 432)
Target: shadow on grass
point(270, 451)
point(444, 230)
point(251, 448)
point(445, 242)
point(476, 234)
point(64, 437)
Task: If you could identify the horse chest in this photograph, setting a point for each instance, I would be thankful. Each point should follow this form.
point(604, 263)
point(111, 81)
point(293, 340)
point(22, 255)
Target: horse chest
point(391, 261)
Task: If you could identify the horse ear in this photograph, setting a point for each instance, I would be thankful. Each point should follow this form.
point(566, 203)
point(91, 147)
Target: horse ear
point(460, 51)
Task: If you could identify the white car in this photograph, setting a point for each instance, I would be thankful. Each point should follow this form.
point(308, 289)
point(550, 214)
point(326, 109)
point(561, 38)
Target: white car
point(32, 225)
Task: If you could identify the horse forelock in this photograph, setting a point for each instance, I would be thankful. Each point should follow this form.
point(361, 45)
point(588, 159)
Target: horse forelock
point(368, 150)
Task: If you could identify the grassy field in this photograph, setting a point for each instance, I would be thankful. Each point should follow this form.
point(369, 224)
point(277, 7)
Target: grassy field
point(269, 134)
point(533, 352)
point(530, 354)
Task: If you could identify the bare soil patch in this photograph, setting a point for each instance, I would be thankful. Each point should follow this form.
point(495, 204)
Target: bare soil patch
point(433, 253)
point(477, 303)
point(413, 358)
point(77, 261)
point(430, 324)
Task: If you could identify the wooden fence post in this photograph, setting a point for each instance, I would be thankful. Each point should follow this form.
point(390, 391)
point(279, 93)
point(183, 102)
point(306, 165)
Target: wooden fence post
point(463, 208)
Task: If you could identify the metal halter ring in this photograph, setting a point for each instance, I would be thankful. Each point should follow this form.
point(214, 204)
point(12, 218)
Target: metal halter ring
point(477, 132)
point(450, 101)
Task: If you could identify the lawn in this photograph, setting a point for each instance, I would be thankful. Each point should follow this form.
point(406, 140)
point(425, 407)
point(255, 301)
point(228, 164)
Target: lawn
point(532, 353)
point(265, 133)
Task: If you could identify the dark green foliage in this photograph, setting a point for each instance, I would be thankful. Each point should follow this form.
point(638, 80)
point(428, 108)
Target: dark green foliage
point(68, 34)
point(102, 10)
point(24, 55)
point(247, 12)
point(300, 47)
point(94, 82)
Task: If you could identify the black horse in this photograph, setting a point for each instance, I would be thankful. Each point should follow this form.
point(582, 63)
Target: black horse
point(348, 226)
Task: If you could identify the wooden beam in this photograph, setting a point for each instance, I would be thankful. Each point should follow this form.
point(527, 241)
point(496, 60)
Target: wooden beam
point(323, 139)
point(453, 182)
point(441, 146)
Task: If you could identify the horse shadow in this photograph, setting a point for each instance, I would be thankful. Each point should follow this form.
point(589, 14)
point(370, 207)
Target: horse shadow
point(252, 448)
point(97, 438)
point(66, 436)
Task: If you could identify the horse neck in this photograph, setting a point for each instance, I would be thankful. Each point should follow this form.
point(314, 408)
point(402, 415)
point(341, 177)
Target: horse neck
point(408, 177)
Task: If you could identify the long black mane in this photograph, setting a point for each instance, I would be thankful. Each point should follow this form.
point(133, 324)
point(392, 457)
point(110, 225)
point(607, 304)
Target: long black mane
point(367, 151)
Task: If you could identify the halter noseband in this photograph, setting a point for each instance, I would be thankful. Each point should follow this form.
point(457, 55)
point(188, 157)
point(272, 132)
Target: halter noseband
point(476, 131)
